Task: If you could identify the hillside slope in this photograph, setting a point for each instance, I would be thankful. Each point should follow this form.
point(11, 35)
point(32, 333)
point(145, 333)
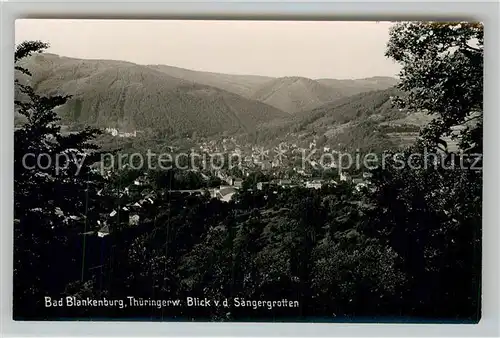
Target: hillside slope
point(293, 93)
point(243, 85)
point(287, 93)
point(363, 121)
point(357, 86)
point(367, 121)
point(373, 104)
point(130, 96)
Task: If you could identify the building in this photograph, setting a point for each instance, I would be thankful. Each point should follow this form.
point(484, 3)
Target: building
point(225, 194)
point(116, 132)
point(132, 134)
point(367, 175)
point(285, 183)
point(358, 180)
point(332, 164)
point(359, 183)
point(104, 231)
point(140, 181)
point(360, 186)
point(261, 185)
point(265, 165)
point(237, 183)
point(229, 180)
point(219, 174)
point(316, 184)
point(344, 176)
point(112, 131)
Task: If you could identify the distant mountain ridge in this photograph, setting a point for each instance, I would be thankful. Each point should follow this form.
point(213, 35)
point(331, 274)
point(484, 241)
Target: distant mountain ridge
point(109, 93)
point(352, 87)
point(243, 85)
point(289, 93)
point(182, 101)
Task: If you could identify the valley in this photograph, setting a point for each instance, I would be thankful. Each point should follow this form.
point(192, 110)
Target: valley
point(175, 103)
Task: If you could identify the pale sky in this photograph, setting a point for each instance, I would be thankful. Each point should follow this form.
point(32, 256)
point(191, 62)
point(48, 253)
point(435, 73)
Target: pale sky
point(341, 50)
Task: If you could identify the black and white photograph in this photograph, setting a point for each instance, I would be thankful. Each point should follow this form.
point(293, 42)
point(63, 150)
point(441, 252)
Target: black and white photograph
point(248, 171)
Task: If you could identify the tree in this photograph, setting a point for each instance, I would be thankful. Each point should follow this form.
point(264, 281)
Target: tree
point(442, 74)
point(54, 197)
point(360, 273)
point(429, 209)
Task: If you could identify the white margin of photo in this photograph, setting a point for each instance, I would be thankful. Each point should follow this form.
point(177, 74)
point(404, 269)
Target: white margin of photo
point(486, 12)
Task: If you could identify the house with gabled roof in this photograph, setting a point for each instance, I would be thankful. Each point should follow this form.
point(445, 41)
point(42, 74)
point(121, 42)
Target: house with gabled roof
point(225, 193)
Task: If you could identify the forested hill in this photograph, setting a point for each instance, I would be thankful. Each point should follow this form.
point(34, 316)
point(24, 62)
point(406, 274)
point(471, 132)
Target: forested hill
point(244, 85)
point(294, 94)
point(373, 104)
point(129, 96)
point(364, 120)
point(108, 93)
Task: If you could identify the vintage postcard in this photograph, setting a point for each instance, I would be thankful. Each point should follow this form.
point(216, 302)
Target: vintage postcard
point(248, 171)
